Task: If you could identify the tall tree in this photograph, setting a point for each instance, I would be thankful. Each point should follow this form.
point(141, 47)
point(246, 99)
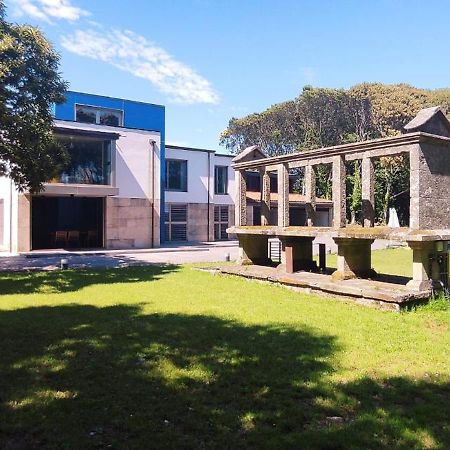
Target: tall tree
point(324, 117)
point(29, 85)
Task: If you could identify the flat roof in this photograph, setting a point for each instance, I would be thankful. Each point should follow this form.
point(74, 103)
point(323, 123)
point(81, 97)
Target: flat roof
point(197, 149)
point(117, 98)
point(68, 130)
point(194, 149)
point(74, 125)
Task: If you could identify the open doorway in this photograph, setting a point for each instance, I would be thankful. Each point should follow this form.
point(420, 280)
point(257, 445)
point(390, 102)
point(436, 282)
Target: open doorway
point(67, 222)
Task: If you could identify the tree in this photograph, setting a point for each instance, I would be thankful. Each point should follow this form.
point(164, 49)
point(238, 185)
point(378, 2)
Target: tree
point(321, 117)
point(29, 85)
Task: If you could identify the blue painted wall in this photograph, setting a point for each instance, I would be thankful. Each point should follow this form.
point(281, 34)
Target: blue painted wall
point(144, 116)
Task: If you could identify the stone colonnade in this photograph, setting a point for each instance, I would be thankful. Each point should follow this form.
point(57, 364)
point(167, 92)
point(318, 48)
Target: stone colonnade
point(354, 250)
point(338, 189)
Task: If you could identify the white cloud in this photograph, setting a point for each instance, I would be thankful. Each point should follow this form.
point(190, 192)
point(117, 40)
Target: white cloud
point(48, 9)
point(135, 54)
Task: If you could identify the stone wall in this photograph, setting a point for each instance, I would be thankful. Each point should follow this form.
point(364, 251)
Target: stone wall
point(197, 222)
point(430, 187)
point(128, 223)
point(24, 223)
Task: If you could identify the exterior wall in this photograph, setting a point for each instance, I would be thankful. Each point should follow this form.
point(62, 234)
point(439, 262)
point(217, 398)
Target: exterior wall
point(199, 176)
point(197, 223)
point(5, 223)
point(200, 188)
point(136, 115)
point(128, 223)
point(136, 168)
point(430, 187)
point(229, 198)
point(23, 223)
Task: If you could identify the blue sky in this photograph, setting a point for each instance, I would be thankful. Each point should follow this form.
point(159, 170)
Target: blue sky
point(208, 61)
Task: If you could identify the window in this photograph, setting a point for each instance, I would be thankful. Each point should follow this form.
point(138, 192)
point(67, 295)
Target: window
point(175, 217)
point(89, 161)
point(176, 175)
point(102, 116)
point(220, 222)
point(221, 180)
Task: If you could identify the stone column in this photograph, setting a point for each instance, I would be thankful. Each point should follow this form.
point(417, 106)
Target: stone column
point(241, 199)
point(368, 192)
point(265, 198)
point(353, 259)
point(310, 185)
point(253, 249)
point(422, 279)
point(339, 194)
point(297, 254)
point(414, 190)
point(283, 195)
point(24, 223)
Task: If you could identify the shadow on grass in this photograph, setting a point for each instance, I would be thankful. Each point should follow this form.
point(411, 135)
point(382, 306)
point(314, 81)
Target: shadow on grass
point(86, 377)
point(59, 281)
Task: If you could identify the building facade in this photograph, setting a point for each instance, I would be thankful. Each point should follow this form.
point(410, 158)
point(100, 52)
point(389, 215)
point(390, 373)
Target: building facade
point(110, 193)
point(199, 194)
point(124, 188)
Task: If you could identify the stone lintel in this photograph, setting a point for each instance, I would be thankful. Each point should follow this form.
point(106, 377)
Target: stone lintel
point(376, 148)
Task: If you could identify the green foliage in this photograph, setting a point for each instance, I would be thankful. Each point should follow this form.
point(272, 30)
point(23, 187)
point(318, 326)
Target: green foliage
point(326, 117)
point(354, 188)
point(29, 84)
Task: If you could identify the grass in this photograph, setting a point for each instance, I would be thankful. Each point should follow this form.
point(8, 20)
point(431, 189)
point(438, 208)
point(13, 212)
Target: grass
point(393, 261)
point(170, 357)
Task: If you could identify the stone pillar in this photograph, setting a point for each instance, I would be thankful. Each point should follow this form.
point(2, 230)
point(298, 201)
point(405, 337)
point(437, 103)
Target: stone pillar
point(430, 186)
point(283, 195)
point(253, 249)
point(339, 194)
point(24, 223)
point(241, 199)
point(422, 279)
point(353, 259)
point(310, 185)
point(368, 192)
point(297, 254)
point(265, 198)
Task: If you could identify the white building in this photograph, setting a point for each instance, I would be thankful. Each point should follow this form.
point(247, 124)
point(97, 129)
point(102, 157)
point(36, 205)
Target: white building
point(199, 194)
point(107, 197)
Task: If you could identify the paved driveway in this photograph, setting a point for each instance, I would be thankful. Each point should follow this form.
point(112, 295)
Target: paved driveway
point(205, 252)
point(209, 252)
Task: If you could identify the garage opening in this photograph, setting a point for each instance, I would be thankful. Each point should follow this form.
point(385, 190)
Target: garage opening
point(67, 222)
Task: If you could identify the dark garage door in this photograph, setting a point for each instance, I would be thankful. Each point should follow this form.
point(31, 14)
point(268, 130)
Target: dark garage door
point(67, 222)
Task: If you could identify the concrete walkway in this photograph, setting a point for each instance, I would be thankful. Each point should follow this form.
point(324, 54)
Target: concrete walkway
point(170, 254)
point(51, 259)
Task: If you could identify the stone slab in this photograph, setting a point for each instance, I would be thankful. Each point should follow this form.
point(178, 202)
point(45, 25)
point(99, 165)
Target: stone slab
point(356, 232)
point(383, 294)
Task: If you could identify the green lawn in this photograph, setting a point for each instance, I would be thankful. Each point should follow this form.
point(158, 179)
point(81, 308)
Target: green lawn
point(391, 262)
point(171, 357)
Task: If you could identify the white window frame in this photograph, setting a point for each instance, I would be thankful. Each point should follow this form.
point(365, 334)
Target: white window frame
point(98, 110)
